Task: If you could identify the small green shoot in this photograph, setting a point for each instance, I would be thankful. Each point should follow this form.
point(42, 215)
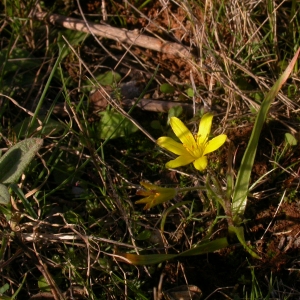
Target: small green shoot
point(290, 139)
point(167, 88)
point(113, 125)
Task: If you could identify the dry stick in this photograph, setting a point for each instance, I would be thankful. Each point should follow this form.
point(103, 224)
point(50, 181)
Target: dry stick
point(144, 104)
point(121, 35)
point(160, 105)
point(68, 237)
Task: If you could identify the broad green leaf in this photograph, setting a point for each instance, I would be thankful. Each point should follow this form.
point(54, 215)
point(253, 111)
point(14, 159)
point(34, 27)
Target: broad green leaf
point(109, 78)
point(155, 124)
point(149, 259)
point(258, 97)
point(239, 199)
point(113, 125)
point(290, 139)
point(190, 92)
point(73, 37)
point(167, 88)
point(175, 111)
point(4, 194)
point(17, 158)
point(43, 284)
point(144, 235)
point(4, 288)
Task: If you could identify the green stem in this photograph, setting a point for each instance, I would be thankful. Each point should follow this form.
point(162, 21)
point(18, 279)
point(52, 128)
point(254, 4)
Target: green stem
point(194, 188)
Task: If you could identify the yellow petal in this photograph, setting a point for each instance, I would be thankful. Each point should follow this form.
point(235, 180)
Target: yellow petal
point(145, 200)
point(204, 128)
point(183, 133)
point(158, 198)
point(171, 145)
point(143, 193)
point(201, 163)
point(180, 161)
point(149, 203)
point(215, 143)
point(148, 185)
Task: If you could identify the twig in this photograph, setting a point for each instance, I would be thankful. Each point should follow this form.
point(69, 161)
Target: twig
point(144, 104)
point(121, 35)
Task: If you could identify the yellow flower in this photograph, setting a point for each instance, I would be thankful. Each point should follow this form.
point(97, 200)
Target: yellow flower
point(193, 149)
point(154, 194)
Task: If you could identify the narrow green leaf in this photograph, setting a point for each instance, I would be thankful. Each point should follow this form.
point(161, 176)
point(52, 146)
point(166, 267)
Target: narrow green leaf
point(6, 211)
point(62, 53)
point(168, 211)
point(113, 125)
point(239, 199)
point(204, 248)
point(20, 287)
point(24, 200)
point(239, 232)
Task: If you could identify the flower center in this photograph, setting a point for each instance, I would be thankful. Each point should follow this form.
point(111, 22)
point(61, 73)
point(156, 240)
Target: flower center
point(195, 151)
point(154, 193)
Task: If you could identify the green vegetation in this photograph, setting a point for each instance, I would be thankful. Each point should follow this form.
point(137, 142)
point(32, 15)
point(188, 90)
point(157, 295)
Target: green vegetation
point(84, 116)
